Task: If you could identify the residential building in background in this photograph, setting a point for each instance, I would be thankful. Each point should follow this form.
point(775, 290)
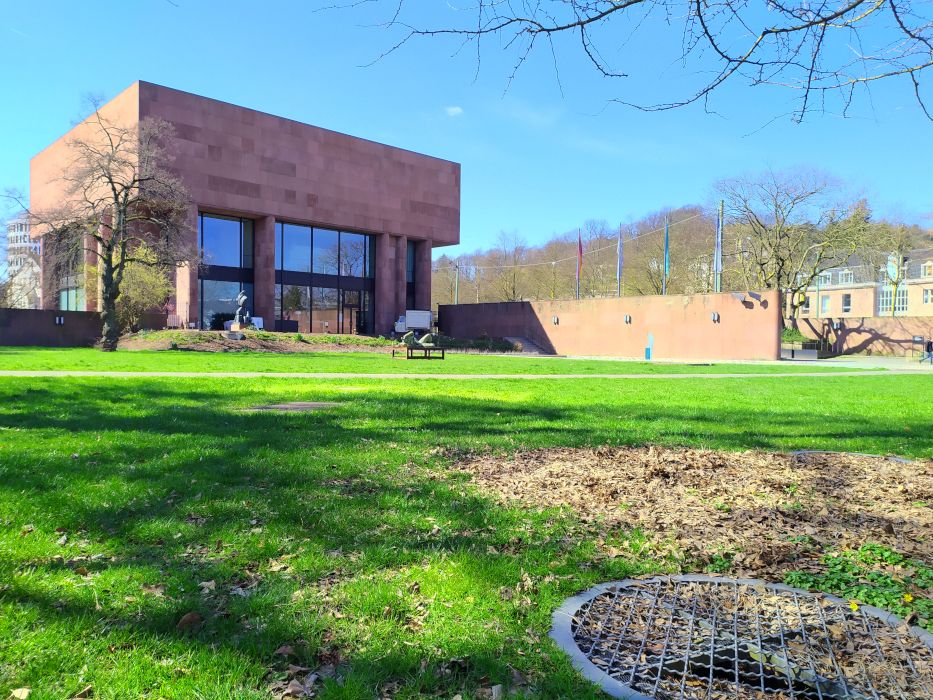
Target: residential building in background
point(859, 290)
point(22, 255)
point(324, 232)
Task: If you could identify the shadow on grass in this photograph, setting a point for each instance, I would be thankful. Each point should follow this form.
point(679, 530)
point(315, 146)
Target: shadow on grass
point(177, 483)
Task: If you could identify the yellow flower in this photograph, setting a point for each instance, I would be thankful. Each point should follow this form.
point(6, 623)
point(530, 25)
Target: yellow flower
point(853, 605)
point(908, 598)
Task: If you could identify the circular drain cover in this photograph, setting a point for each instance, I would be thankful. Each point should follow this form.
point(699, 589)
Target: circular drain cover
point(710, 637)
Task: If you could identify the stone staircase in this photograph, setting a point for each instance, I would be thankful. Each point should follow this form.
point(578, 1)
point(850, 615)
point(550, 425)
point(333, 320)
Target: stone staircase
point(528, 347)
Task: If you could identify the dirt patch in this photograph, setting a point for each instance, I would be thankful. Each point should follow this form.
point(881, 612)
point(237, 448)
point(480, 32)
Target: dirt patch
point(213, 341)
point(765, 513)
point(297, 406)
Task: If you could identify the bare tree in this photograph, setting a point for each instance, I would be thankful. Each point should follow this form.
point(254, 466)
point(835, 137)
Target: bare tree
point(785, 229)
point(122, 205)
point(814, 50)
point(509, 255)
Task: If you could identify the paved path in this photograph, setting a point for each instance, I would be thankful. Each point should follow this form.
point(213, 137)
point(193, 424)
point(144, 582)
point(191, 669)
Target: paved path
point(364, 375)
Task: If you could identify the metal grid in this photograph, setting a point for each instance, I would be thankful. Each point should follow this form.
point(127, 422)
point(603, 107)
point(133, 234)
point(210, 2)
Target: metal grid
point(716, 638)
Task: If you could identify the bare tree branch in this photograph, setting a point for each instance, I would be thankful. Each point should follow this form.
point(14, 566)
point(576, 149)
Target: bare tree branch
point(804, 47)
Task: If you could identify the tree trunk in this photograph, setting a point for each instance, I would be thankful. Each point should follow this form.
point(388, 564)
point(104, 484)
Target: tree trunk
point(108, 315)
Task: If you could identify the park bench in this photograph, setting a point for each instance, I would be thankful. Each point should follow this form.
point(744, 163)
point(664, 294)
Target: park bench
point(422, 348)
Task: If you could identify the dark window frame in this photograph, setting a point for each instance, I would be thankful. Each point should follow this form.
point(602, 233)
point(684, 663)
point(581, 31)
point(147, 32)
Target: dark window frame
point(240, 220)
point(365, 285)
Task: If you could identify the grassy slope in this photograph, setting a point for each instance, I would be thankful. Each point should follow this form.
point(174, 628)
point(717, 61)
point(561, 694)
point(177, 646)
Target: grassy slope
point(181, 361)
point(356, 495)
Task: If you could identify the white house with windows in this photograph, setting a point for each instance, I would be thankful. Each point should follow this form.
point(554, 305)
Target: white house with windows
point(857, 289)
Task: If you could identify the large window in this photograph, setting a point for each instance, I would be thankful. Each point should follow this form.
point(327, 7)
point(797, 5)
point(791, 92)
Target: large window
point(296, 248)
point(225, 241)
point(410, 276)
point(227, 254)
point(884, 300)
point(324, 280)
point(824, 304)
point(71, 298)
point(326, 252)
point(218, 301)
point(296, 306)
point(355, 258)
point(325, 308)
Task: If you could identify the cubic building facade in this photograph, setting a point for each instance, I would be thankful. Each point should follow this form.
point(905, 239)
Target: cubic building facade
point(325, 232)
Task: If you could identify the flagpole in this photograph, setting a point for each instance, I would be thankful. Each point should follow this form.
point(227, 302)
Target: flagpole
point(579, 260)
point(717, 252)
point(667, 254)
point(619, 265)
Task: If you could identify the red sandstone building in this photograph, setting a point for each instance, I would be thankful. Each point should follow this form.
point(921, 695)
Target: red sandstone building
point(326, 232)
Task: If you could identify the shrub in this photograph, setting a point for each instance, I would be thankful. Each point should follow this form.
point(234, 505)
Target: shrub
point(793, 335)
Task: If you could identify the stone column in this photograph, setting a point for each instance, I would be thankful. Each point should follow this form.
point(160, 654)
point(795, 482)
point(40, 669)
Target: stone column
point(385, 269)
point(186, 277)
point(423, 274)
point(264, 270)
point(401, 256)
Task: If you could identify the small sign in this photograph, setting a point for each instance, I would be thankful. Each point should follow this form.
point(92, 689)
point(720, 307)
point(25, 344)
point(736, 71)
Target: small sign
point(918, 339)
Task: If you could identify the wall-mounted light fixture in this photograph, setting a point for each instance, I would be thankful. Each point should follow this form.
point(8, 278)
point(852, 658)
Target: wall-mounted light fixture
point(555, 320)
point(627, 319)
point(715, 316)
point(59, 320)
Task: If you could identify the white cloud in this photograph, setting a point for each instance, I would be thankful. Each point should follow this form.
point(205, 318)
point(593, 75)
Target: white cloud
point(453, 111)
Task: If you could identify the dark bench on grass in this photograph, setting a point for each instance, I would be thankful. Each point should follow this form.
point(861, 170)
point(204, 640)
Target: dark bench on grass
point(421, 349)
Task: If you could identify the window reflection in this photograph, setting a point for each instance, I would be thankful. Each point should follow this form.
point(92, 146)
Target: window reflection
point(295, 306)
point(218, 302)
point(353, 251)
point(225, 241)
point(296, 248)
point(326, 251)
point(325, 311)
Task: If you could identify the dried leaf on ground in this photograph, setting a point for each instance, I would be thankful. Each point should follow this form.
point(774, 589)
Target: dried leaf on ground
point(772, 512)
point(188, 621)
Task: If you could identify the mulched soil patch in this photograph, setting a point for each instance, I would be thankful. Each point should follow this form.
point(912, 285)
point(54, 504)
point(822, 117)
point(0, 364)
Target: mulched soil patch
point(215, 342)
point(769, 512)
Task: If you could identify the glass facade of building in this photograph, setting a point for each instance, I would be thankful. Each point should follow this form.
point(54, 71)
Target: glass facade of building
point(323, 280)
point(71, 294)
point(410, 276)
point(226, 245)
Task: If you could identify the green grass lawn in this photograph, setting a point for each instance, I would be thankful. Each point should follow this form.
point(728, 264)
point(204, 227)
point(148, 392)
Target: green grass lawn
point(12, 358)
point(127, 503)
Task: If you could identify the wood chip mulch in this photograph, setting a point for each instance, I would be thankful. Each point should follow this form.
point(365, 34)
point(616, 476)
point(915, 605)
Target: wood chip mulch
point(770, 512)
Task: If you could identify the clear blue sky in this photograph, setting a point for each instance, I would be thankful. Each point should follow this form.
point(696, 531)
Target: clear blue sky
point(539, 157)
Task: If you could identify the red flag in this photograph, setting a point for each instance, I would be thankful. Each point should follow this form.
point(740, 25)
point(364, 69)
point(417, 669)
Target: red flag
point(579, 253)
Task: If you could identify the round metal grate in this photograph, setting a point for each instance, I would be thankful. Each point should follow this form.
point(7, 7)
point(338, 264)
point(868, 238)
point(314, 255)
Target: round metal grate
point(715, 638)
